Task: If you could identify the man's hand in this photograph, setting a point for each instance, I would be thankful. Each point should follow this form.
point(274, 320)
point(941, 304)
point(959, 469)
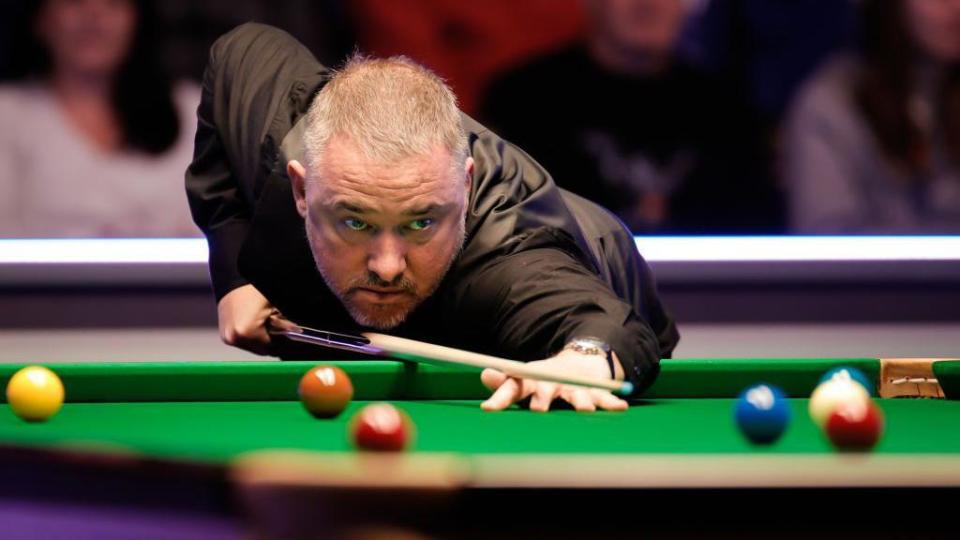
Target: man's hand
point(243, 314)
point(509, 390)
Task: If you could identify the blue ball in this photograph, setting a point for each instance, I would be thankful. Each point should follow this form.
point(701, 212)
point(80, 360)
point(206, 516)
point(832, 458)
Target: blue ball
point(849, 373)
point(762, 413)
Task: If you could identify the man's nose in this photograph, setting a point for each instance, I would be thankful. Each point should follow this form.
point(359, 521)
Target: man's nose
point(388, 257)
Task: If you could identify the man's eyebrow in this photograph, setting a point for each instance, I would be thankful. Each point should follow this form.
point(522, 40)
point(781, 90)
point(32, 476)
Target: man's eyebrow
point(342, 205)
point(432, 207)
point(416, 211)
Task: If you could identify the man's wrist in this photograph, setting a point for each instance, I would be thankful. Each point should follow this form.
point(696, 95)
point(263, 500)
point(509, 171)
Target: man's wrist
point(593, 346)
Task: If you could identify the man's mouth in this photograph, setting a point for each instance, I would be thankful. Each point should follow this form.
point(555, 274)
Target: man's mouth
point(380, 295)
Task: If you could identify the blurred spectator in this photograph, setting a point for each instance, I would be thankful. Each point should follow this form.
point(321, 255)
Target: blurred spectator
point(623, 120)
point(96, 139)
point(465, 42)
point(873, 142)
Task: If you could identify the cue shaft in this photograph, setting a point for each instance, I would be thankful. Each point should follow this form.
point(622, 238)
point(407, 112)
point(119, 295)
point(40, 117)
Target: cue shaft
point(419, 351)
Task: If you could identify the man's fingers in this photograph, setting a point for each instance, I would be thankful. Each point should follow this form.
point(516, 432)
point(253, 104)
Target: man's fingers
point(255, 340)
point(254, 346)
point(276, 321)
point(492, 378)
point(509, 390)
point(607, 401)
point(580, 398)
point(506, 395)
point(543, 396)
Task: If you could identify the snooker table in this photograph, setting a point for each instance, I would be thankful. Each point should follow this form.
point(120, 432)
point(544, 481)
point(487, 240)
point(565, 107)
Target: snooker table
point(231, 440)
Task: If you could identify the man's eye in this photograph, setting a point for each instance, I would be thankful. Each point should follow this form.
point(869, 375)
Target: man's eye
point(355, 224)
point(420, 224)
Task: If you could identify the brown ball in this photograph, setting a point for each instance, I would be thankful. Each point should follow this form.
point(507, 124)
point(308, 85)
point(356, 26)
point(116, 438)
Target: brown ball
point(325, 391)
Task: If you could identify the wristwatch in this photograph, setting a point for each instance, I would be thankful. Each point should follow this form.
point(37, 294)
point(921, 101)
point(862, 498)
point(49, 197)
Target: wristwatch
point(592, 346)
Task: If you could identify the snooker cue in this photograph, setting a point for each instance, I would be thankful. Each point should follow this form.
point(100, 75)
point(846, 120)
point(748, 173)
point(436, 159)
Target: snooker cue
point(427, 353)
point(419, 351)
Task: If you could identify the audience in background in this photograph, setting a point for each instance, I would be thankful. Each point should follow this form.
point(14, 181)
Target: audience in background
point(622, 119)
point(465, 42)
point(767, 48)
point(873, 142)
point(666, 111)
point(96, 139)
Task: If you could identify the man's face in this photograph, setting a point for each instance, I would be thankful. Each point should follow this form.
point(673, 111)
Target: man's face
point(383, 235)
point(640, 26)
point(88, 36)
point(935, 25)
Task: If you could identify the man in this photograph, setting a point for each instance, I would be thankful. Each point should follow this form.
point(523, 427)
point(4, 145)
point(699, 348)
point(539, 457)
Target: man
point(365, 199)
point(664, 145)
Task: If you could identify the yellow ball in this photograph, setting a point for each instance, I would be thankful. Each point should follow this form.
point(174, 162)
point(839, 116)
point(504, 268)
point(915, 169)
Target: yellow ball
point(35, 393)
point(833, 393)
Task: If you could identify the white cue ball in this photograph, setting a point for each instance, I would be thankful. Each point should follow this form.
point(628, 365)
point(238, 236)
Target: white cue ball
point(830, 394)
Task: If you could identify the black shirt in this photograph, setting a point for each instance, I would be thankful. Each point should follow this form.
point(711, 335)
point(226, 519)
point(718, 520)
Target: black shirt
point(539, 265)
point(671, 153)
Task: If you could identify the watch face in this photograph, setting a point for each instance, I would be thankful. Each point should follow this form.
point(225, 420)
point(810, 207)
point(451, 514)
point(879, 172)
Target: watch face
point(593, 342)
point(589, 346)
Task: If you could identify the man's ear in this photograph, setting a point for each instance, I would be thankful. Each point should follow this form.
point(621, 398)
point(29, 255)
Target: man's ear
point(468, 173)
point(298, 179)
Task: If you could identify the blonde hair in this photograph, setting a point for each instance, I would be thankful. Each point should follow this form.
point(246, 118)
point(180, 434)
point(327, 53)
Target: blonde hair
point(390, 108)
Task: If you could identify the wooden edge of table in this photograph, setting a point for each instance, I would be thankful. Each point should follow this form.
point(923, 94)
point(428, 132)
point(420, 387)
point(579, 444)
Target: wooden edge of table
point(909, 377)
point(373, 470)
point(626, 471)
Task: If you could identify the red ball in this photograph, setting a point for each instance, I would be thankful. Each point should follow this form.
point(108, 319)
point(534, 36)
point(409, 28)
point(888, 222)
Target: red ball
point(325, 391)
point(381, 427)
point(855, 426)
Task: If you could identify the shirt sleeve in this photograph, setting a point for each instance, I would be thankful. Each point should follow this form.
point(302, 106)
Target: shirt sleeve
point(539, 299)
point(216, 201)
point(526, 283)
point(258, 79)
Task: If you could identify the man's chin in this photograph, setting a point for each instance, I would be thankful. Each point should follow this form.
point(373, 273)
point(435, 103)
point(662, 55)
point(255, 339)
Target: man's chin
point(379, 318)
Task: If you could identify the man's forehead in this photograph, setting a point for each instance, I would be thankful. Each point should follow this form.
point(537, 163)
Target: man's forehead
point(343, 160)
point(372, 191)
point(350, 181)
point(364, 197)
